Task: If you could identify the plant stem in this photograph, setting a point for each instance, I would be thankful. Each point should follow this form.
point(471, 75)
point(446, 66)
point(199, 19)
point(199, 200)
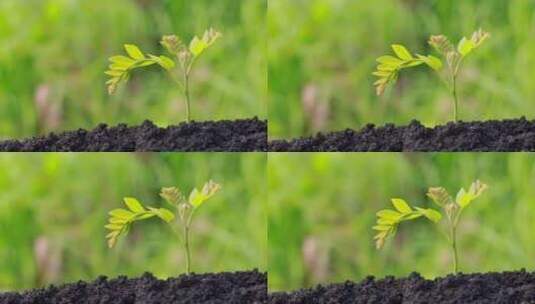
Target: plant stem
point(455, 98)
point(187, 95)
point(454, 248)
point(186, 245)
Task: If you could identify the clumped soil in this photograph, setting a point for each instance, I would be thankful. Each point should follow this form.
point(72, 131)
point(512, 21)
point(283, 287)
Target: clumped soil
point(218, 288)
point(237, 135)
point(492, 135)
point(497, 288)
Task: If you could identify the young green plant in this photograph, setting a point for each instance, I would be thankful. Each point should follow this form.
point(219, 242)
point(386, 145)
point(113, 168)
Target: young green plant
point(389, 66)
point(388, 220)
point(121, 220)
point(121, 67)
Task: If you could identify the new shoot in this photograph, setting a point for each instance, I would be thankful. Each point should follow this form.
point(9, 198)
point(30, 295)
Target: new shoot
point(121, 220)
point(388, 220)
point(186, 55)
point(389, 66)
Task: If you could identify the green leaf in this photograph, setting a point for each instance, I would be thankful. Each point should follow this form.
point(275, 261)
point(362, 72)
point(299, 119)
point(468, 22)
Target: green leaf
point(401, 205)
point(163, 214)
point(197, 198)
point(114, 227)
point(133, 204)
point(121, 213)
point(114, 73)
point(464, 198)
point(381, 73)
point(119, 67)
point(390, 61)
point(381, 228)
point(386, 68)
point(432, 61)
point(117, 220)
point(430, 214)
point(197, 46)
point(163, 61)
point(389, 214)
point(166, 62)
point(465, 46)
point(385, 221)
point(402, 52)
point(123, 60)
point(133, 51)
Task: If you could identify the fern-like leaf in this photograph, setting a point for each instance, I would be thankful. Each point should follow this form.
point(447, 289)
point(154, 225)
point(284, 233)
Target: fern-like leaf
point(121, 67)
point(388, 220)
point(121, 220)
point(389, 66)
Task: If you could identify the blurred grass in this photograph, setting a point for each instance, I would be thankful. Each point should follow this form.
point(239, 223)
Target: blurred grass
point(58, 49)
point(57, 204)
point(322, 53)
point(325, 205)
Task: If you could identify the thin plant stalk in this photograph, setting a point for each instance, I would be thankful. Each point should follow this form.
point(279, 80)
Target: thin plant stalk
point(453, 240)
point(186, 246)
point(455, 99)
point(187, 96)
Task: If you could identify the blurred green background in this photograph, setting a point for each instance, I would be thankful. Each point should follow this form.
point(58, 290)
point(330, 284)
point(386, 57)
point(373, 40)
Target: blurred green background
point(322, 207)
point(53, 208)
point(53, 54)
point(321, 54)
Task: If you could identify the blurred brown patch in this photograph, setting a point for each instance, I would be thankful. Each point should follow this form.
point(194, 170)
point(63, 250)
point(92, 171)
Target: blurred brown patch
point(48, 110)
point(47, 260)
point(316, 109)
point(315, 260)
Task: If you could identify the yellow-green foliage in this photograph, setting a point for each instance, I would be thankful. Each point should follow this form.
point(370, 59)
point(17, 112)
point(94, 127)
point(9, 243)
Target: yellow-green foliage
point(388, 220)
point(389, 66)
point(121, 220)
point(121, 66)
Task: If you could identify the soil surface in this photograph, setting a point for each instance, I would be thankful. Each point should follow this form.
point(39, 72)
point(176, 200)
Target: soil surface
point(497, 288)
point(493, 135)
point(219, 288)
point(238, 135)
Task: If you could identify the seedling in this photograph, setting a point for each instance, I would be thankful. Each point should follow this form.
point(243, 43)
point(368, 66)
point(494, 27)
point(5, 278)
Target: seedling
point(388, 220)
point(389, 66)
point(121, 67)
point(121, 220)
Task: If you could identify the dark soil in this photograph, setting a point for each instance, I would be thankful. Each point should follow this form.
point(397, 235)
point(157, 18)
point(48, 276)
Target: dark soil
point(225, 288)
point(238, 135)
point(493, 135)
point(496, 288)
